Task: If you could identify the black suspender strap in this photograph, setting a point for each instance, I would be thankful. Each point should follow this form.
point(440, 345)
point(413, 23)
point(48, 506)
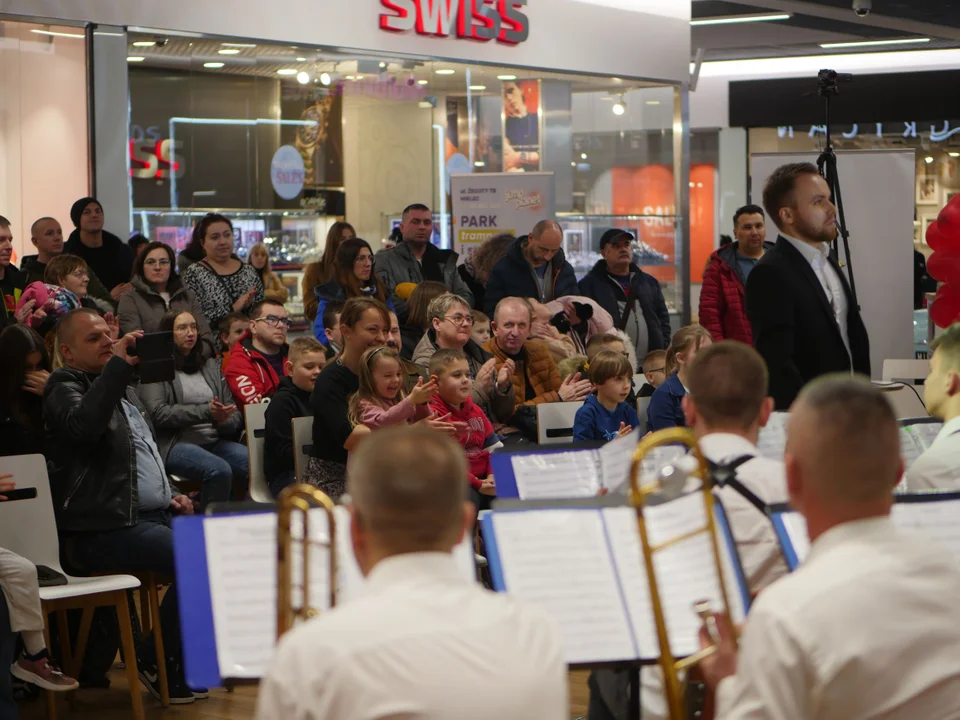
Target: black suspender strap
point(725, 474)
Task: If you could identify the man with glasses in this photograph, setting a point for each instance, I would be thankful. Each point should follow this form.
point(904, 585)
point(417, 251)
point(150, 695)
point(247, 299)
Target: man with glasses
point(258, 361)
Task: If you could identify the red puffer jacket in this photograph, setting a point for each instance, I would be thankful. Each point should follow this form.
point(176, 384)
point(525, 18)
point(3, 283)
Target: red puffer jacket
point(723, 310)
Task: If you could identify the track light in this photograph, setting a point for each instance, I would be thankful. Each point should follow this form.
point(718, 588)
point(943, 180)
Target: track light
point(619, 108)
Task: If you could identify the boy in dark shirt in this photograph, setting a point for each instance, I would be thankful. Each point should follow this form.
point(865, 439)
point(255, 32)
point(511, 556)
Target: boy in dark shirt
point(305, 360)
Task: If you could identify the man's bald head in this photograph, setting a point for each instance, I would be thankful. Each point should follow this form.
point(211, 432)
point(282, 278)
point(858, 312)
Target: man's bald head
point(512, 323)
point(38, 224)
point(543, 226)
point(408, 487)
point(83, 338)
point(844, 442)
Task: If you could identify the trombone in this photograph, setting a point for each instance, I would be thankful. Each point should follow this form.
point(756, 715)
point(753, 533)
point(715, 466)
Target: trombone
point(639, 495)
point(298, 500)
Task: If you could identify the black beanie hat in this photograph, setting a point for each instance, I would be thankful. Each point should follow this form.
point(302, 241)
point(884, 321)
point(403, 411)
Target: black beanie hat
point(79, 206)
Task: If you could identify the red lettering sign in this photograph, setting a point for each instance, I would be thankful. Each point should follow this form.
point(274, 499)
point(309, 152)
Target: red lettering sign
point(481, 20)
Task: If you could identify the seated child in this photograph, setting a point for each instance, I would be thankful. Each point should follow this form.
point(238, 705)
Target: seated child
point(607, 415)
point(380, 401)
point(231, 329)
point(572, 366)
point(305, 360)
point(475, 433)
point(654, 371)
point(331, 329)
point(481, 327)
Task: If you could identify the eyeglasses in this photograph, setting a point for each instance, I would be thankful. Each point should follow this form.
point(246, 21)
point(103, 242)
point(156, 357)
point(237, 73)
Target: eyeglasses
point(185, 328)
point(274, 321)
point(80, 274)
point(655, 369)
point(460, 320)
point(151, 262)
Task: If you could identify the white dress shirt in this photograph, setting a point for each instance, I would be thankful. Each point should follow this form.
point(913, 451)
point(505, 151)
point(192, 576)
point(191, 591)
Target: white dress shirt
point(419, 643)
point(757, 544)
point(939, 467)
point(829, 281)
point(866, 628)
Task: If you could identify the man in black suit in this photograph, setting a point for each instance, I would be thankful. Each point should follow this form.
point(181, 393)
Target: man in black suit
point(805, 321)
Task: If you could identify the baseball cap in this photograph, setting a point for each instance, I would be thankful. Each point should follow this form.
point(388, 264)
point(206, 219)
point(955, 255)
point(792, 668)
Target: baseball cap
point(614, 234)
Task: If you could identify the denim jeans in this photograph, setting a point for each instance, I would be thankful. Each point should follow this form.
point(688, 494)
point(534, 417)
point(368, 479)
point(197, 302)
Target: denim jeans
point(214, 466)
point(8, 643)
point(146, 546)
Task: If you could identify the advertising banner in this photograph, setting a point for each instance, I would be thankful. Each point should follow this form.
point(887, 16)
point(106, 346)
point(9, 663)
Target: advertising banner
point(489, 204)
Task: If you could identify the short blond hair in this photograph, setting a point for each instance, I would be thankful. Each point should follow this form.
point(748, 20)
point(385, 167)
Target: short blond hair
point(303, 346)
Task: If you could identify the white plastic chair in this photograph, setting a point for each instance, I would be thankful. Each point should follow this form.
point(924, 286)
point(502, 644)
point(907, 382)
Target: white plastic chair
point(302, 445)
point(908, 371)
point(555, 422)
point(28, 528)
point(255, 417)
point(642, 404)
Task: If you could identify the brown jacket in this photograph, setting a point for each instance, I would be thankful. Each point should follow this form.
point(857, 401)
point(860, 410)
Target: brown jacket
point(536, 367)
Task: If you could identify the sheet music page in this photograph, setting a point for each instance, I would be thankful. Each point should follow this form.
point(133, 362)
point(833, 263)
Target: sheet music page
point(686, 572)
point(559, 560)
point(911, 446)
point(796, 527)
point(571, 474)
point(616, 458)
point(773, 437)
point(938, 521)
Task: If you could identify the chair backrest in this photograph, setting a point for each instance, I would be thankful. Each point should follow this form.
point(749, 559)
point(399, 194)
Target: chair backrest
point(28, 527)
point(255, 417)
point(913, 372)
point(555, 422)
point(905, 400)
point(302, 444)
point(642, 404)
point(639, 380)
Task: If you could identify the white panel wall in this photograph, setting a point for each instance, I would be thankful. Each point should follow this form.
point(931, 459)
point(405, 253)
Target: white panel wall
point(877, 187)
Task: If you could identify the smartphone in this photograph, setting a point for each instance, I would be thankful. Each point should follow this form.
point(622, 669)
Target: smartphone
point(156, 352)
point(19, 494)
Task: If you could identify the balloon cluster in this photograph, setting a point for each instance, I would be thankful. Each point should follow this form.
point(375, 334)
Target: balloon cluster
point(944, 265)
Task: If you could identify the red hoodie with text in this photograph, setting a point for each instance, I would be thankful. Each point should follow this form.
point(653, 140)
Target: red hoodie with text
point(249, 376)
point(473, 436)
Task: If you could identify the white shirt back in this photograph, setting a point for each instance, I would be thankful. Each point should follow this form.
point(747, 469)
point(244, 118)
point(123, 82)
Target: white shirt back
point(939, 467)
point(866, 628)
point(422, 644)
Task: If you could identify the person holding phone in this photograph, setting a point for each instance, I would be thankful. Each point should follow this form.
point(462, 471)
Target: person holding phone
point(21, 614)
point(195, 417)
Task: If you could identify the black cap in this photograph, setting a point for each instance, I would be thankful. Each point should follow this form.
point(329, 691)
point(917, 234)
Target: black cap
point(79, 206)
point(614, 234)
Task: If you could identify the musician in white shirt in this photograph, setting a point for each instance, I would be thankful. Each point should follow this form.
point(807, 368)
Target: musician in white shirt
point(726, 406)
point(939, 467)
point(420, 642)
point(867, 626)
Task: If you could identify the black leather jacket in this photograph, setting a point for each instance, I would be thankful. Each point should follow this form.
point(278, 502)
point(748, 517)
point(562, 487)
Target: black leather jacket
point(90, 455)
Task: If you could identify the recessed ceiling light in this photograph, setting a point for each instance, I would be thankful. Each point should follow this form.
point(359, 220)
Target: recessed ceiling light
point(731, 19)
point(573, 164)
point(425, 104)
point(954, 154)
point(446, 71)
point(287, 71)
point(928, 159)
point(873, 43)
point(144, 43)
point(653, 102)
point(239, 45)
point(213, 65)
point(325, 79)
point(619, 108)
point(583, 156)
point(359, 77)
point(52, 33)
point(478, 87)
point(228, 51)
point(303, 78)
point(479, 163)
point(506, 78)
point(135, 58)
point(422, 82)
point(383, 65)
point(301, 59)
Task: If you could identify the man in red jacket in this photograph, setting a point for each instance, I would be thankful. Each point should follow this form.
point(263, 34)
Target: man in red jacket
point(722, 306)
point(258, 360)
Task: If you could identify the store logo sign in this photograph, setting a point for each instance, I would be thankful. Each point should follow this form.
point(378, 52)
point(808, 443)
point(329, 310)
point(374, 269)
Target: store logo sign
point(482, 20)
point(287, 172)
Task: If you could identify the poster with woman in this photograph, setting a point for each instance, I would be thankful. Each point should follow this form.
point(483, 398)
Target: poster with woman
point(521, 125)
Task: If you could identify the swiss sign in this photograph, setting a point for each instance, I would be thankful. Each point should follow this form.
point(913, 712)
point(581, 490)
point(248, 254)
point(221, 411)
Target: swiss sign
point(482, 20)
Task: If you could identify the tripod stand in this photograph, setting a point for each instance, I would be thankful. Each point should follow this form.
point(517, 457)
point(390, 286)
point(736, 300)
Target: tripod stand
point(827, 165)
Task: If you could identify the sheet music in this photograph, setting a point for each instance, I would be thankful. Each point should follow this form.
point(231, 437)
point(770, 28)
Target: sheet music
point(773, 437)
point(573, 474)
point(616, 457)
point(910, 447)
point(938, 521)
point(560, 560)
point(657, 459)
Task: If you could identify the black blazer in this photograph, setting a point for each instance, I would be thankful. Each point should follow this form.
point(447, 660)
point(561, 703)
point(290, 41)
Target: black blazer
point(794, 328)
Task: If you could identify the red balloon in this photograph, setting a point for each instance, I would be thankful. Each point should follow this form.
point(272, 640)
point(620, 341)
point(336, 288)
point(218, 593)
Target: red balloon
point(948, 223)
point(944, 265)
point(935, 238)
point(945, 309)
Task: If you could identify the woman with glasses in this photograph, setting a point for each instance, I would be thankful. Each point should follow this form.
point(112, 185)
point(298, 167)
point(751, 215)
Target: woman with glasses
point(157, 289)
point(353, 277)
point(194, 417)
point(222, 283)
point(451, 321)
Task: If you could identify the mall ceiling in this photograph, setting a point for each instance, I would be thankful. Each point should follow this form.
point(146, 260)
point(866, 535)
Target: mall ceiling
point(812, 23)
